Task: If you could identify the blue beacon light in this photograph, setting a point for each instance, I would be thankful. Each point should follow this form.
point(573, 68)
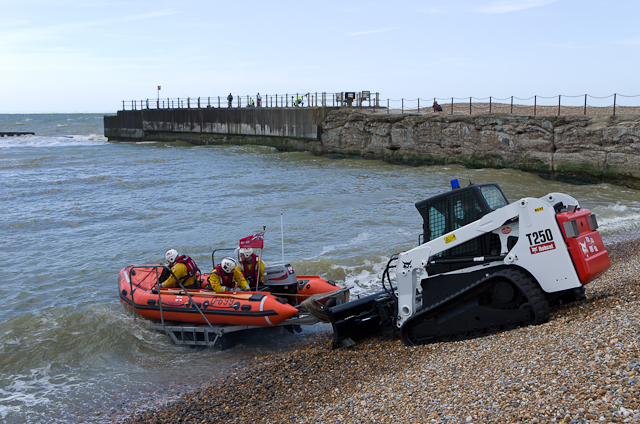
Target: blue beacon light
point(455, 184)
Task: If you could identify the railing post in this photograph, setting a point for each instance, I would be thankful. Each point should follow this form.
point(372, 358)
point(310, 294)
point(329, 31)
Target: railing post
point(147, 103)
point(403, 105)
point(489, 104)
point(418, 104)
point(286, 99)
point(123, 105)
point(469, 105)
point(585, 104)
point(559, 95)
point(388, 111)
point(535, 104)
point(178, 102)
point(614, 104)
point(452, 105)
point(168, 103)
point(512, 104)
point(158, 105)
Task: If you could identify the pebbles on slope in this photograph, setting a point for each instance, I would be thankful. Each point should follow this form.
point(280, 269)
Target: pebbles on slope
point(581, 366)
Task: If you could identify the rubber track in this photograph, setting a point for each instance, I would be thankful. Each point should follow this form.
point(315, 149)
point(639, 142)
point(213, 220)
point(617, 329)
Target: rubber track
point(529, 287)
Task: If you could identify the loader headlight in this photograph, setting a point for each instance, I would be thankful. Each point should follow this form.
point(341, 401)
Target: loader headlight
point(593, 223)
point(571, 229)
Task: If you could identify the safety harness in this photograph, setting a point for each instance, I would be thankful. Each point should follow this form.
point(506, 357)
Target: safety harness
point(250, 274)
point(225, 279)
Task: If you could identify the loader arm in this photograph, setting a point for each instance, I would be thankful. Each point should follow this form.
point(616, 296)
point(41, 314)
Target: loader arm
point(532, 215)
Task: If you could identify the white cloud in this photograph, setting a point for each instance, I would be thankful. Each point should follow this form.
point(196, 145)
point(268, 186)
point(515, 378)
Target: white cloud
point(507, 6)
point(151, 15)
point(374, 31)
point(633, 41)
point(431, 10)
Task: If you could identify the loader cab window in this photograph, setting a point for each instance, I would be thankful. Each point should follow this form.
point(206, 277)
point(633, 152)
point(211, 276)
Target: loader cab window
point(452, 213)
point(494, 197)
point(437, 223)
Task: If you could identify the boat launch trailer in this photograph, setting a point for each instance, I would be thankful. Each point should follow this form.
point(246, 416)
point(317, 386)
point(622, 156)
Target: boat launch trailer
point(210, 335)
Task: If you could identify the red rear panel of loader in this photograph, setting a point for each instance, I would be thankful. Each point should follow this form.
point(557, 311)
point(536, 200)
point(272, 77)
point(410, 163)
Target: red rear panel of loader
point(585, 244)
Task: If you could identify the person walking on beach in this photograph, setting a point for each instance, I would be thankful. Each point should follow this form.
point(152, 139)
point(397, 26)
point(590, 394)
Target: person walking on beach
point(229, 99)
point(259, 98)
point(226, 276)
point(183, 268)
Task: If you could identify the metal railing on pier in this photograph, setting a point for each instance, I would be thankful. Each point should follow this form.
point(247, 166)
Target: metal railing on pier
point(286, 100)
point(583, 104)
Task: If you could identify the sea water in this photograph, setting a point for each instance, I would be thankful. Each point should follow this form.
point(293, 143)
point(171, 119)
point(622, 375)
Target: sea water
point(77, 208)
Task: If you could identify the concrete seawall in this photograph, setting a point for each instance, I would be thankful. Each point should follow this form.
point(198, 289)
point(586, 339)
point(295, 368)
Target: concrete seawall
point(586, 149)
point(172, 124)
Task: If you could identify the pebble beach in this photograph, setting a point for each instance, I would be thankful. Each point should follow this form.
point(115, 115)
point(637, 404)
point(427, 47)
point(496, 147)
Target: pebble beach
point(581, 366)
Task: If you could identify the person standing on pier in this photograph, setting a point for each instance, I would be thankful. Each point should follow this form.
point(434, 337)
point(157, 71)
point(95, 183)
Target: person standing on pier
point(229, 99)
point(259, 98)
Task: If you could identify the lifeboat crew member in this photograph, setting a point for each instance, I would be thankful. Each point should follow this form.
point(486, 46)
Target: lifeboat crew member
point(183, 267)
point(251, 266)
point(225, 276)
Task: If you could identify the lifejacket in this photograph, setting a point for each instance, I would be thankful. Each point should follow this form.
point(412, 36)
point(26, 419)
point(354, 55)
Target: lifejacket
point(192, 268)
point(250, 275)
point(225, 279)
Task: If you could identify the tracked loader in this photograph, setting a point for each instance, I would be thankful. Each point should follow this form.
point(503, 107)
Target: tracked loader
point(482, 266)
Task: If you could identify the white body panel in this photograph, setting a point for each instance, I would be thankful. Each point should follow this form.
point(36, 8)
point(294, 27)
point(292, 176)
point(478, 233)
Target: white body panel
point(540, 249)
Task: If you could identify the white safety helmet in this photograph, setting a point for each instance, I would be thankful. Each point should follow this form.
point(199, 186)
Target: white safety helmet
point(171, 256)
point(246, 252)
point(228, 265)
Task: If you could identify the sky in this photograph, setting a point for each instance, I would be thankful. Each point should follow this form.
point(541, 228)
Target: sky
point(90, 55)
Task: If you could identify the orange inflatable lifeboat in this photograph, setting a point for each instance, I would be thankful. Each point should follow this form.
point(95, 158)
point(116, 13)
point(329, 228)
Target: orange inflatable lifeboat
point(137, 289)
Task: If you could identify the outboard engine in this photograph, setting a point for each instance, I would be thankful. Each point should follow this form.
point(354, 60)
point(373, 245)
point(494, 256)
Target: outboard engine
point(281, 279)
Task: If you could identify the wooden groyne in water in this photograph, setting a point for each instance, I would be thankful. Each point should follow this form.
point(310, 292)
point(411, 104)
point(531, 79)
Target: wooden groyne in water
point(14, 134)
point(584, 149)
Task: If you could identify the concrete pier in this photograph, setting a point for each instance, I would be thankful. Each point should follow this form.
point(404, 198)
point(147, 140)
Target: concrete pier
point(208, 125)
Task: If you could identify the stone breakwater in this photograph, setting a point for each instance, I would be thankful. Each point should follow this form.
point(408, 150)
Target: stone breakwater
point(587, 149)
point(582, 366)
point(578, 148)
